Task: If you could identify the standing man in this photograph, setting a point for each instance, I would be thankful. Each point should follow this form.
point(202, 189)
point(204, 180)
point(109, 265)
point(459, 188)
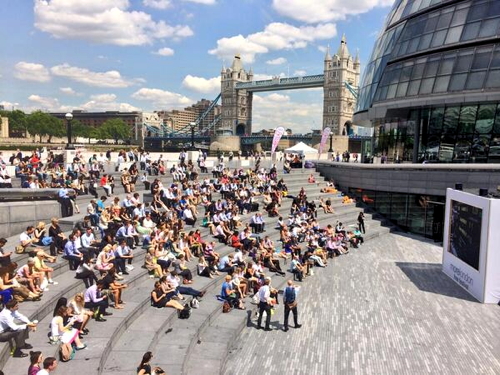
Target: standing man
point(65, 200)
point(9, 329)
point(361, 222)
point(265, 304)
point(290, 302)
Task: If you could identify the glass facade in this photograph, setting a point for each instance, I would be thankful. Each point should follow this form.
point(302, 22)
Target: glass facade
point(420, 214)
point(432, 87)
point(447, 134)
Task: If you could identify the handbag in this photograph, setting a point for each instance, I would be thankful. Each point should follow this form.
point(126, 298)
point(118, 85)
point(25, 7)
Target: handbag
point(292, 305)
point(19, 249)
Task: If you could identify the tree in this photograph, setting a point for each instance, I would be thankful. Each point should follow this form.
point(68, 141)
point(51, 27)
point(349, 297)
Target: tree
point(115, 129)
point(43, 124)
point(17, 122)
point(80, 130)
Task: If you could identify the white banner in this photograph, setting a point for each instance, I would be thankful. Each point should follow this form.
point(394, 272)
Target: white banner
point(324, 137)
point(278, 133)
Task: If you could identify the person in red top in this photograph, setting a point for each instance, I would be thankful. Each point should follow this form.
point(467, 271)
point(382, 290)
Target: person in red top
point(235, 240)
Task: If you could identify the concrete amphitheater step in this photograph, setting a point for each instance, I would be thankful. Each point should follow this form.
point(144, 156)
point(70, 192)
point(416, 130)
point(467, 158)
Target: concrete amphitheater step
point(209, 356)
point(43, 310)
point(177, 353)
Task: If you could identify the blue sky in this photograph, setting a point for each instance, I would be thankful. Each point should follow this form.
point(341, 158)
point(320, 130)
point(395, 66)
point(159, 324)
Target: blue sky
point(97, 55)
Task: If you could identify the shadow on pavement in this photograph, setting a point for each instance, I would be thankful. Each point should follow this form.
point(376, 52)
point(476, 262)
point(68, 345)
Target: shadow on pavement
point(429, 277)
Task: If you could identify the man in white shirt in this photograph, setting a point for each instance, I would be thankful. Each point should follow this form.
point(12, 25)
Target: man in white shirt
point(89, 243)
point(9, 329)
point(49, 365)
point(265, 304)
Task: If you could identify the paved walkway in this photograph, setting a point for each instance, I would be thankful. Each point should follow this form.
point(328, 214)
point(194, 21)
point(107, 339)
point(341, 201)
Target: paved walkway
point(385, 308)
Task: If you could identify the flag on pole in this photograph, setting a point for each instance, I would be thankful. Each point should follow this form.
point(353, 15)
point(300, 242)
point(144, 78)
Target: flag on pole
point(278, 133)
point(324, 137)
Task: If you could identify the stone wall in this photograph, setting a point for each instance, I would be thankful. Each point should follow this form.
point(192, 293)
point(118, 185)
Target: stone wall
point(429, 179)
point(16, 216)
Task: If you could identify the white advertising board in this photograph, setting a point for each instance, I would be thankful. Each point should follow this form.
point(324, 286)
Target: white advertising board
point(469, 254)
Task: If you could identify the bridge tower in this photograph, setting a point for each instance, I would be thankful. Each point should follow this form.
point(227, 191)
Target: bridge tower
point(338, 102)
point(236, 104)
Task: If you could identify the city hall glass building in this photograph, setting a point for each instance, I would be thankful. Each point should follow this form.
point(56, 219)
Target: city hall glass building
point(431, 89)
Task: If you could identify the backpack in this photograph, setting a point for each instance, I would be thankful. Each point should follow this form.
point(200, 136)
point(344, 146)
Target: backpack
point(66, 352)
point(195, 304)
point(185, 313)
point(226, 307)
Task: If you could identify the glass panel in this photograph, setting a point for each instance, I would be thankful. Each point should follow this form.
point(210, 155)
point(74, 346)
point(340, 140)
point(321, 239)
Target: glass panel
point(489, 28)
point(462, 149)
point(496, 126)
point(493, 80)
point(426, 86)
point(457, 82)
point(417, 72)
point(485, 118)
point(431, 68)
point(475, 80)
point(402, 87)
point(446, 148)
point(463, 63)
point(494, 9)
point(438, 39)
point(416, 215)
point(471, 31)
point(479, 150)
point(413, 88)
point(444, 21)
point(436, 120)
point(384, 203)
point(441, 84)
point(481, 59)
point(412, 47)
point(494, 149)
point(467, 121)
point(405, 74)
point(478, 12)
point(425, 42)
point(495, 61)
point(450, 122)
point(391, 92)
point(431, 24)
point(447, 64)
point(399, 209)
point(432, 149)
point(454, 35)
point(459, 17)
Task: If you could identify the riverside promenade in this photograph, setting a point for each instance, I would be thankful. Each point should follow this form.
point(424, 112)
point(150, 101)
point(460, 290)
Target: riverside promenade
point(385, 309)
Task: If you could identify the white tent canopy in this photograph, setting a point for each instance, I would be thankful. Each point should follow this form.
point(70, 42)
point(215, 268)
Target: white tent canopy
point(301, 148)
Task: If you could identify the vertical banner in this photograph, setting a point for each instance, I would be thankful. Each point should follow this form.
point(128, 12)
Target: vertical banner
point(278, 133)
point(324, 137)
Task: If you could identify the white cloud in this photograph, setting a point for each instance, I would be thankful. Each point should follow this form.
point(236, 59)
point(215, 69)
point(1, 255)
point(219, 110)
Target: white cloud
point(161, 98)
point(157, 4)
point(277, 61)
point(69, 91)
point(31, 72)
point(202, 85)
point(106, 102)
point(299, 73)
point(206, 2)
point(322, 48)
point(165, 51)
point(276, 36)
point(325, 10)
point(102, 22)
point(275, 109)
point(110, 78)
point(46, 103)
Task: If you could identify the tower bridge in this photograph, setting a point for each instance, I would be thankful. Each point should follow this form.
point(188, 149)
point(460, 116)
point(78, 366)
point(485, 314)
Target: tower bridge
point(340, 79)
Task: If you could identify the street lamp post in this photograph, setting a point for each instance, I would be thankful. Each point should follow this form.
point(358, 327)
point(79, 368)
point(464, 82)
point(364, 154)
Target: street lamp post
point(192, 125)
point(331, 148)
point(69, 117)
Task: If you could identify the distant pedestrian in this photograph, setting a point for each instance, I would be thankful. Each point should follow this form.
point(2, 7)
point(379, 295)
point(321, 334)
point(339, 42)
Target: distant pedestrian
point(361, 222)
point(290, 302)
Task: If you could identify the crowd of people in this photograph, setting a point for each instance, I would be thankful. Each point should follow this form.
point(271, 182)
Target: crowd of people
point(101, 249)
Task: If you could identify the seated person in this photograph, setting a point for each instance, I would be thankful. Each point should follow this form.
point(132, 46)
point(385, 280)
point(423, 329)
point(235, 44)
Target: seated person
point(228, 293)
point(161, 298)
point(311, 179)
